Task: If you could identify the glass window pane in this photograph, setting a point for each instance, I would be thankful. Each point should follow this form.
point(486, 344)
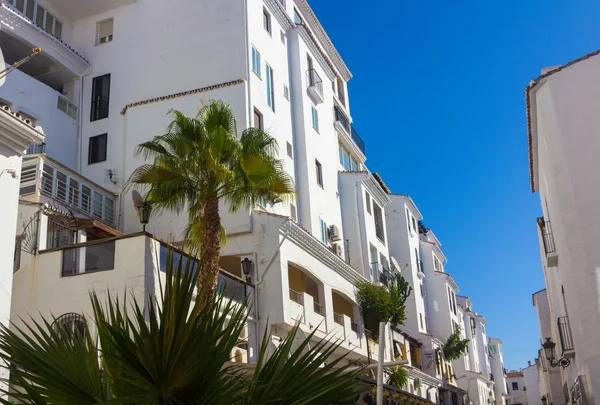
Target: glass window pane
point(74, 192)
point(98, 204)
point(109, 214)
point(57, 29)
point(20, 5)
point(47, 179)
point(61, 186)
point(86, 198)
point(29, 8)
point(39, 16)
point(49, 23)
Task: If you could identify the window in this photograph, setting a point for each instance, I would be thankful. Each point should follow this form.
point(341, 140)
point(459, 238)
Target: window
point(421, 319)
point(437, 265)
point(346, 159)
point(290, 152)
point(104, 31)
point(20, 5)
point(258, 120)
point(256, 61)
point(286, 92)
point(374, 263)
point(30, 9)
point(408, 219)
point(483, 328)
point(100, 97)
point(324, 232)
point(293, 213)
point(282, 36)
point(422, 286)
point(39, 16)
point(319, 172)
point(473, 327)
point(297, 18)
point(57, 29)
point(368, 199)
point(49, 23)
point(69, 325)
point(267, 21)
point(515, 386)
point(414, 223)
point(97, 149)
point(340, 91)
point(270, 87)
point(379, 231)
point(315, 118)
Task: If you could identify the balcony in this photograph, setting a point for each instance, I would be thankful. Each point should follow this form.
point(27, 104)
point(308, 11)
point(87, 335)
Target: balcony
point(306, 310)
point(315, 86)
point(566, 340)
point(547, 240)
point(21, 30)
point(350, 135)
point(42, 176)
point(381, 275)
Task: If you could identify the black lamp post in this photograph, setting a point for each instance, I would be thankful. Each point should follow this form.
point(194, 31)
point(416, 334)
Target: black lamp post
point(549, 346)
point(144, 212)
point(246, 267)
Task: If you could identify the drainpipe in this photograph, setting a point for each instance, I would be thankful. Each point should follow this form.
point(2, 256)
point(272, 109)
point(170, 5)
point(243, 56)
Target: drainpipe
point(80, 124)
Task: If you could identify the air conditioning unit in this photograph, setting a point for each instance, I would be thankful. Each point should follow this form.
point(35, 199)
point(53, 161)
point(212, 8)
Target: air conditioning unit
point(334, 233)
point(337, 249)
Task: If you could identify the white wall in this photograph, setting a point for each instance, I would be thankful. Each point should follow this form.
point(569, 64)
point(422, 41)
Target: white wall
point(517, 396)
point(567, 121)
point(497, 368)
point(40, 101)
point(530, 377)
point(9, 204)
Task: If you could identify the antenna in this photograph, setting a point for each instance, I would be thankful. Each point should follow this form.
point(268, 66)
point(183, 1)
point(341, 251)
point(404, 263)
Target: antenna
point(138, 201)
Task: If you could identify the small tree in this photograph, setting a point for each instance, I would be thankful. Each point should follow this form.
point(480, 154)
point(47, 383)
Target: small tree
point(383, 304)
point(455, 347)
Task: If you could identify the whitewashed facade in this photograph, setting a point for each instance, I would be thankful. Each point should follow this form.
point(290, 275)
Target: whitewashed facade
point(275, 65)
point(562, 126)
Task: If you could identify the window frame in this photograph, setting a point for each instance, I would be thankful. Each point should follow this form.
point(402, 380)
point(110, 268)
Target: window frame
point(98, 111)
point(90, 142)
point(270, 81)
point(319, 173)
point(256, 62)
point(368, 202)
point(315, 118)
point(110, 36)
point(258, 115)
point(267, 23)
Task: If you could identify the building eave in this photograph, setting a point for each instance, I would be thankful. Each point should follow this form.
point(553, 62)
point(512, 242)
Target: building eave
point(449, 279)
point(16, 134)
point(531, 116)
point(322, 36)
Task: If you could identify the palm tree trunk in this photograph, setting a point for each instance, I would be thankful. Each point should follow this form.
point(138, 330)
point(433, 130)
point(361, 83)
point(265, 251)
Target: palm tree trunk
point(210, 250)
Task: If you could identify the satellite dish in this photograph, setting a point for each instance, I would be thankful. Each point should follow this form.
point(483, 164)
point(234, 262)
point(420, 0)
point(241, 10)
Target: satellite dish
point(2, 67)
point(138, 201)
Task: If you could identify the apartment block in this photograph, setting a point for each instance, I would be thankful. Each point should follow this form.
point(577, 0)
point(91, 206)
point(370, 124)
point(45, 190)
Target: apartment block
point(561, 127)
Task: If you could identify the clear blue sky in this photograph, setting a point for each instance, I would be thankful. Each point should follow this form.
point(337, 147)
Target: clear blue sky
point(438, 97)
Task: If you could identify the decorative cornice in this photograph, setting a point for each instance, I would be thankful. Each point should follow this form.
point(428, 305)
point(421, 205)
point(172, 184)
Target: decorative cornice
point(326, 41)
point(15, 133)
point(276, 8)
point(376, 190)
point(314, 247)
point(317, 51)
point(27, 30)
point(182, 94)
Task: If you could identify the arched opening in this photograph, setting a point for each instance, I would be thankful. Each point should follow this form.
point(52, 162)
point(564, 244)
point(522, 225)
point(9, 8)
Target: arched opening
point(299, 283)
point(239, 357)
point(69, 325)
point(343, 306)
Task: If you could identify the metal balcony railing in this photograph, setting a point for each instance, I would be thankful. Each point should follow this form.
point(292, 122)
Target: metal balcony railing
point(314, 80)
point(564, 331)
point(338, 318)
point(547, 236)
point(40, 174)
point(345, 123)
point(296, 297)
point(381, 274)
point(36, 149)
point(318, 308)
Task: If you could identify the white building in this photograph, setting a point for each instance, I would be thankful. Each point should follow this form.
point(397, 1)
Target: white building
point(498, 372)
point(550, 381)
point(515, 386)
point(562, 123)
point(532, 384)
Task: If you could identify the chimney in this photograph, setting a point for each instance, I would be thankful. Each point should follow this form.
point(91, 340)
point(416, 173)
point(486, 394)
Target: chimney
point(529, 363)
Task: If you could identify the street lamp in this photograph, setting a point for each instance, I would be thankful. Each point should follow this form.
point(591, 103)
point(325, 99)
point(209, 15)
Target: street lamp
point(246, 266)
point(549, 346)
point(143, 208)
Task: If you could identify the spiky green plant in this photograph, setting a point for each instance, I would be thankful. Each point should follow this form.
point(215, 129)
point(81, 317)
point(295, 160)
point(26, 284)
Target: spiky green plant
point(167, 353)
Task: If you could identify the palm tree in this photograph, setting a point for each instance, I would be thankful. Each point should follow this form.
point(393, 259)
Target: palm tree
point(201, 161)
point(168, 353)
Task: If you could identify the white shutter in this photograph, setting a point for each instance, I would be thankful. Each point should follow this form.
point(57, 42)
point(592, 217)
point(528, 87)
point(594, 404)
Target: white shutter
point(105, 31)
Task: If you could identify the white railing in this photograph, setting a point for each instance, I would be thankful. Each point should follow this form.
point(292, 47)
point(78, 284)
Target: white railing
point(40, 175)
